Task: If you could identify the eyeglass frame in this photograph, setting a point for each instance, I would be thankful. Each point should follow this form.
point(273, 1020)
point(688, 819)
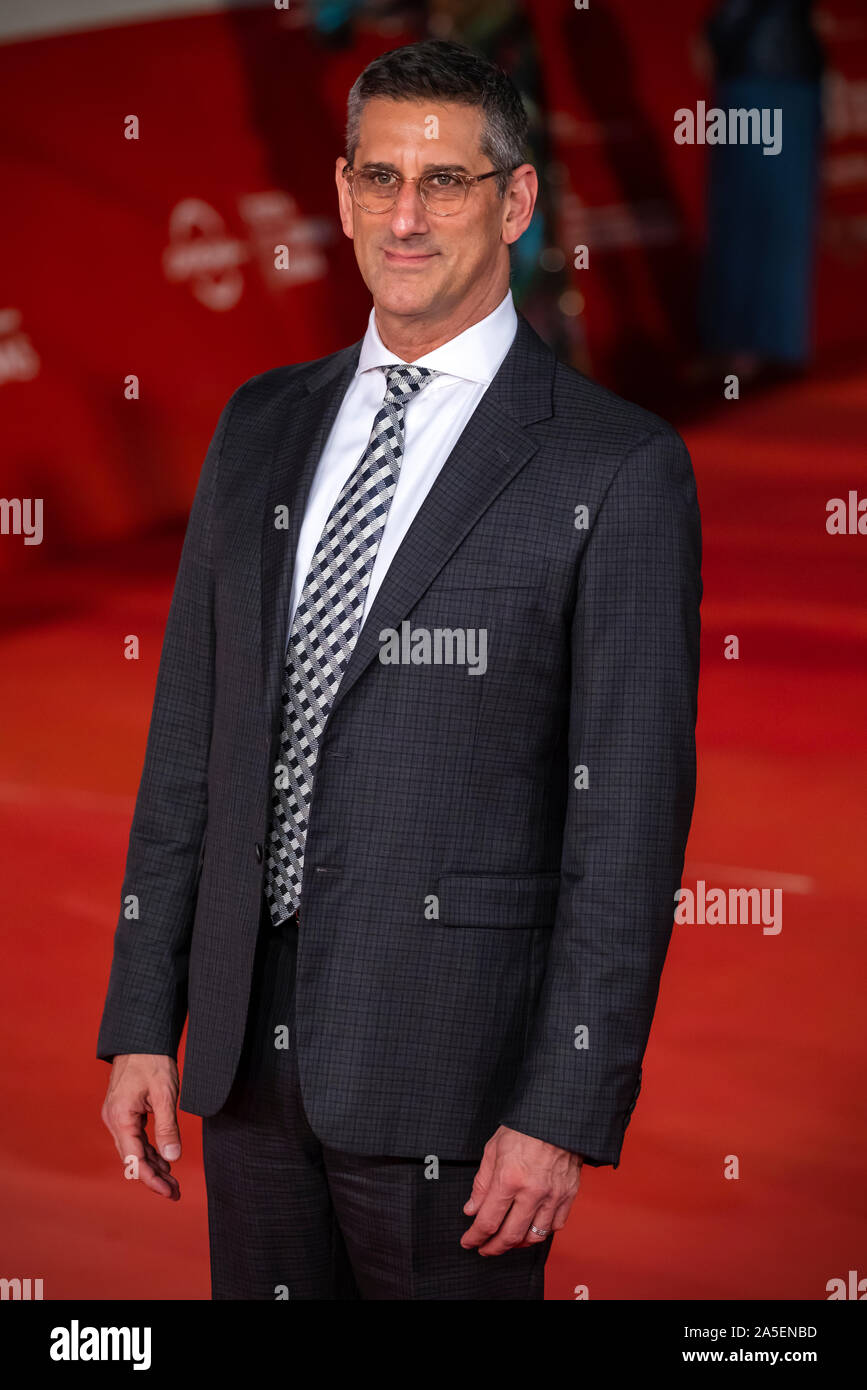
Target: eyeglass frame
point(468, 180)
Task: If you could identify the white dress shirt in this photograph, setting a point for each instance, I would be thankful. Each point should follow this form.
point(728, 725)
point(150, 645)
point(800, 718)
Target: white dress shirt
point(433, 422)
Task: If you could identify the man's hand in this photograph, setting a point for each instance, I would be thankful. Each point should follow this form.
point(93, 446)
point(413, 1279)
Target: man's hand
point(143, 1083)
point(521, 1182)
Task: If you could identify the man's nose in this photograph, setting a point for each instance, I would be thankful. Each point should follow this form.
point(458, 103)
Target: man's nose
point(409, 213)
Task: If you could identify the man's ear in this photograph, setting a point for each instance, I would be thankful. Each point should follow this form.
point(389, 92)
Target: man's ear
point(344, 197)
point(520, 199)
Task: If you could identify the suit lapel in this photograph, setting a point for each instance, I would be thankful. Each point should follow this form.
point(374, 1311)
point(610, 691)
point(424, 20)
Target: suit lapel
point(492, 449)
point(303, 427)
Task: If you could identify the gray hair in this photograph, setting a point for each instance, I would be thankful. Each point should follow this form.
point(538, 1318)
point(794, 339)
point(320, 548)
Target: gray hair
point(445, 71)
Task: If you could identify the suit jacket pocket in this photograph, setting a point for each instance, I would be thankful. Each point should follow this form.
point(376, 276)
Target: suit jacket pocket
point(498, 900)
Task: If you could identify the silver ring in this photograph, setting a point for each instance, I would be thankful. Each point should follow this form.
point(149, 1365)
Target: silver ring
point(536, 1232)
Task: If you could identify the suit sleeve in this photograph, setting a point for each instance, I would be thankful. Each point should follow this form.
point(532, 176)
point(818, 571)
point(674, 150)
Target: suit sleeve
point(635, 658)
point(146, 1004)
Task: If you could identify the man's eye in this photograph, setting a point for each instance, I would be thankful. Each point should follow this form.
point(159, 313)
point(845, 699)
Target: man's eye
point(444, 180)
point(380, 177)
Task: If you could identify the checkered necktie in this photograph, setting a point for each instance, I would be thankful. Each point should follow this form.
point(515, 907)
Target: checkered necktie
point(324, 631)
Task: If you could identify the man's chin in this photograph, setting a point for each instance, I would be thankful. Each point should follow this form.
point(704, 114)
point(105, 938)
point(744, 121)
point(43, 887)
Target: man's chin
point(394, 297)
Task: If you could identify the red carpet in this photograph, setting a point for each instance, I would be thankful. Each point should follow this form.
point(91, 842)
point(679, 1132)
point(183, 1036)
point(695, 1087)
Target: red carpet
point(757, 1046)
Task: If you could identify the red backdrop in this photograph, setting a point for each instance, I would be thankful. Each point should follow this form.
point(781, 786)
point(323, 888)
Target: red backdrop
point(154, 257)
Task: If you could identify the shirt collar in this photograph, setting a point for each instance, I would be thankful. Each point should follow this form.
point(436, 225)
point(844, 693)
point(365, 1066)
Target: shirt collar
point(474, 355)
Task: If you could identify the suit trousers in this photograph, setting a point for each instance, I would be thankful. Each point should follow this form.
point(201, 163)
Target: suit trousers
point(290, 1217)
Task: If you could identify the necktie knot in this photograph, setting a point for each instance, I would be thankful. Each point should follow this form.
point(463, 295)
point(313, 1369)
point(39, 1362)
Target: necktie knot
point(406, 381)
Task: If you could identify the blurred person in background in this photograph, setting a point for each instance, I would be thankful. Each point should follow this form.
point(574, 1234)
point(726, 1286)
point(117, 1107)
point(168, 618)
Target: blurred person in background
point(758, 270)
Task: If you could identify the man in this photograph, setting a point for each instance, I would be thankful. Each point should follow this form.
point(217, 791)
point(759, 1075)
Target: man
point(421, 768)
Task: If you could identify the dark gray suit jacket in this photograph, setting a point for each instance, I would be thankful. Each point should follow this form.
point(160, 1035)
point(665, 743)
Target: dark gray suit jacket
point(466, 909)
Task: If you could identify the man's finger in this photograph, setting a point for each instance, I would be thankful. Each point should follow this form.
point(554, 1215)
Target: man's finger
point(167, 1138)
point(513, 1229)
point(543, 1221)
point(167, 1186)
point(127, 1130)
point(155, 1159)
point(156, 1173)
point(163, 1184)
point(162, 1168)
point(481, 1184)
point(489, 1218)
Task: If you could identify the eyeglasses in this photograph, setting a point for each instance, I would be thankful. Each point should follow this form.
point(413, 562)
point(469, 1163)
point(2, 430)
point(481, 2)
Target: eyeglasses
point(443, 191)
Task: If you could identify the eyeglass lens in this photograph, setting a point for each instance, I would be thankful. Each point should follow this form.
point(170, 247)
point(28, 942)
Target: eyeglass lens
point(377, 189)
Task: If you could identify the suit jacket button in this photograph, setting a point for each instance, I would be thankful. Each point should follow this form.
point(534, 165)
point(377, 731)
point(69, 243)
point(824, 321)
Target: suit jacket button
point(258, 854)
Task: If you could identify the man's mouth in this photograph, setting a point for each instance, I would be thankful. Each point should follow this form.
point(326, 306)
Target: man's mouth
point(409, 257)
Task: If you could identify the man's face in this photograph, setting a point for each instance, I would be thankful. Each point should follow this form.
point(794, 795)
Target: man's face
point(412, 261)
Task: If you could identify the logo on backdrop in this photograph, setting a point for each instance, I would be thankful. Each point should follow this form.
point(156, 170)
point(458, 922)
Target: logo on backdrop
point(284, 248)
point(19, 360)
